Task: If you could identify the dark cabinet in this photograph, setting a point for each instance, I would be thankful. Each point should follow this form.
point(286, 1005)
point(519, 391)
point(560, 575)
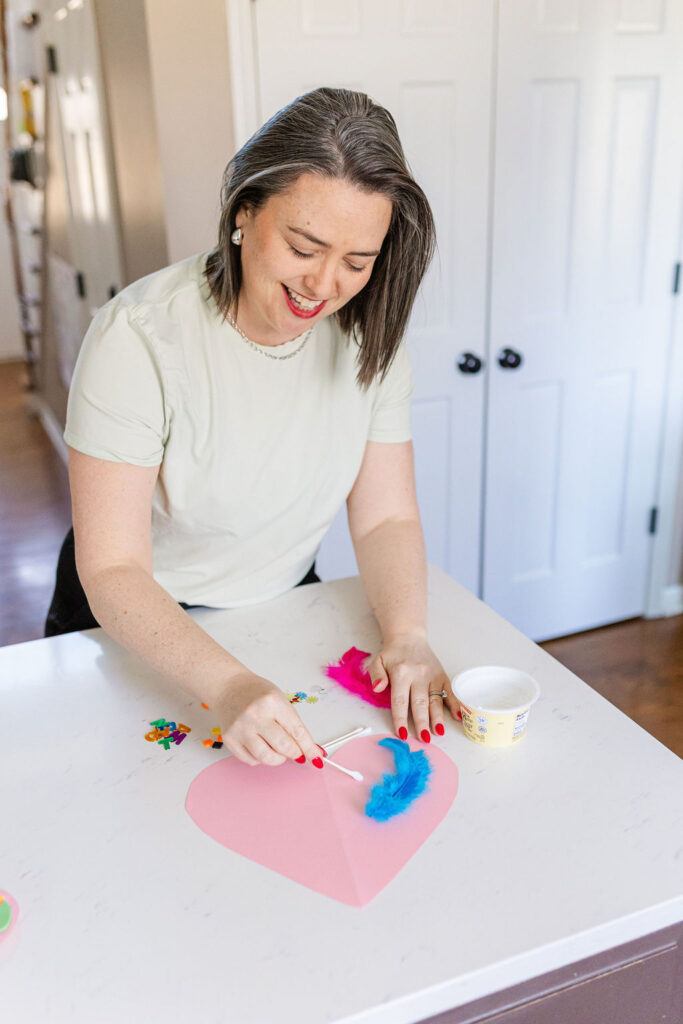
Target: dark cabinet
point(637, 983)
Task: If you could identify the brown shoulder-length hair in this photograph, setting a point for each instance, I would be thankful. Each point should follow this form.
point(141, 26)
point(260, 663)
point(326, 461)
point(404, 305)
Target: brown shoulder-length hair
point(342, 134)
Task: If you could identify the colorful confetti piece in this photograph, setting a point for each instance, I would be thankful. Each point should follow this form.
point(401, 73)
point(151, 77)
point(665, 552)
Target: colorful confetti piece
point(216, 740)
point(301, 697)
point(5, 914)
point(165, 733)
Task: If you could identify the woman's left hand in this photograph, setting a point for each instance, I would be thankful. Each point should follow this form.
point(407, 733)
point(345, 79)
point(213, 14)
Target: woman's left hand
point(407, 662)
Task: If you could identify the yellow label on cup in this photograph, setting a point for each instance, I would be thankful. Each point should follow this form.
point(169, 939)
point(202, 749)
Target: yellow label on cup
point(495, 702)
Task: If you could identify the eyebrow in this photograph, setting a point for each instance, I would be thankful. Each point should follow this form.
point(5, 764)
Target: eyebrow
point(326, 245)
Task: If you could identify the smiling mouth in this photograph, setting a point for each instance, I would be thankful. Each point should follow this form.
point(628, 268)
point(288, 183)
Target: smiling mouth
point(301, 306)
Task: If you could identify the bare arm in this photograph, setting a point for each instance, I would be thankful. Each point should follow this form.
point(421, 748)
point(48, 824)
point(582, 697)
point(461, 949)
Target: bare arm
point(111, 504)
point(384, 521)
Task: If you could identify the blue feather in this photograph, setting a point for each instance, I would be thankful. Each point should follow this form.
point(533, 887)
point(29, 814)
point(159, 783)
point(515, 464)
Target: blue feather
point(396, 792)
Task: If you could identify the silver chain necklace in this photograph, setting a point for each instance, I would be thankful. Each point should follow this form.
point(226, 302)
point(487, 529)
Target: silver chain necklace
point(263, 350)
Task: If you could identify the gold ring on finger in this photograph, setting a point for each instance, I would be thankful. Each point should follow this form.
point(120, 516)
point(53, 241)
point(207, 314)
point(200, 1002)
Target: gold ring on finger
point(439, 693)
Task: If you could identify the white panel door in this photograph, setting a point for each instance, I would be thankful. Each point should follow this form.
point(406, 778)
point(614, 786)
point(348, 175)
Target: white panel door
point(79, 94)
point(429, 63)
point(587, 205)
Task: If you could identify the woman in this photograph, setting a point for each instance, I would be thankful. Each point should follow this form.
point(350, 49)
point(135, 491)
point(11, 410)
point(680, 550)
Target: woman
point(224, 407)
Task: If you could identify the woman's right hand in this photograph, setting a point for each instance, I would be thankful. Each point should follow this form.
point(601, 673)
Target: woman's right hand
point(260, 726)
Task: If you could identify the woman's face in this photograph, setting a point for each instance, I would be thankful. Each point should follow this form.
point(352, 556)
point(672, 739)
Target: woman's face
point(305, 253)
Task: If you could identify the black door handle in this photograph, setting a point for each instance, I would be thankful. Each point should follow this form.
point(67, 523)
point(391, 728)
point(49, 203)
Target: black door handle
point(509, 359)
point(467, 362)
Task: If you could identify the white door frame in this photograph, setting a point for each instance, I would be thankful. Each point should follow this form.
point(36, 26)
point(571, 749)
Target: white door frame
point(243, 76)
point(662, 598)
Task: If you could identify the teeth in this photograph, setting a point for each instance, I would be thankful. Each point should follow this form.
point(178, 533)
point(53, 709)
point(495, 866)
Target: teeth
point(298, 300)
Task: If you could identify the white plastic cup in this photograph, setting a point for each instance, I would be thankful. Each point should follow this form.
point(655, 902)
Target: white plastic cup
point(496, 701)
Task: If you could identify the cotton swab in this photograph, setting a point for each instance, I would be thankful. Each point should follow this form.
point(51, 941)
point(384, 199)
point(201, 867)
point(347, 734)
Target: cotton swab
point(347, 771)
point(362, 730)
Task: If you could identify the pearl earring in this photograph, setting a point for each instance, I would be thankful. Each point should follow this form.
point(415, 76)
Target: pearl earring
point(236, 236)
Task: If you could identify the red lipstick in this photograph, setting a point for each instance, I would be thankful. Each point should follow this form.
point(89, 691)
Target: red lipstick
point(302, 313)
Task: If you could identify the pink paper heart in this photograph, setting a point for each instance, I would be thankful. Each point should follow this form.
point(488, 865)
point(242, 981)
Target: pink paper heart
point(310, 824)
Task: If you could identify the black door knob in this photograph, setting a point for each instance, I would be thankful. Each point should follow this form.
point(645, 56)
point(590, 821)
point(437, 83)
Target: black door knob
point(509, 359)
point(467, 362)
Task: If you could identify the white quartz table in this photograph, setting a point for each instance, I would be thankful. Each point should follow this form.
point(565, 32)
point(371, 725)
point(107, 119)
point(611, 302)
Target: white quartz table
point(556, 849)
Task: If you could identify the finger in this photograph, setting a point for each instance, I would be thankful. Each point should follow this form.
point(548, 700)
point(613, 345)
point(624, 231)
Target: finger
point(379, 675)
point(240, 752)
point(291, 723)
point(400, 702)
point(281, 741)
point(262, 751)
point(419, 705)
point(436, 704)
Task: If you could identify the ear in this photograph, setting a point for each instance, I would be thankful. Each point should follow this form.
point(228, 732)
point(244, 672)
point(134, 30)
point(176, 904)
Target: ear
point(243, 214)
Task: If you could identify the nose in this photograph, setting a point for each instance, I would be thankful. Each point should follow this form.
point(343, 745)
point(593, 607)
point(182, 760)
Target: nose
point(320, 282)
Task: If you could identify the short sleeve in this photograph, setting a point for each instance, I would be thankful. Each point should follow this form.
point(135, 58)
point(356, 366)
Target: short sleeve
point(390, 420)
point(116, 407)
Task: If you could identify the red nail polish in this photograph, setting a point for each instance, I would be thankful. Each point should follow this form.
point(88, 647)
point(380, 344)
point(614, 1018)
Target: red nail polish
point(439, 729)
point(323, 750)
point(317, 761)
point(458, 715)
point(300, 760)
point(403, 733)
point(425, 737)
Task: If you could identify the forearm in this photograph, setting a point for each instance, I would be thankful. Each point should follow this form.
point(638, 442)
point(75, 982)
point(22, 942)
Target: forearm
point(393, 566)
point(137, 612)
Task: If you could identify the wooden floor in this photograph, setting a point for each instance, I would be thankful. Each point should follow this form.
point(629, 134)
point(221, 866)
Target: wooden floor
point(637, 665)
point(34, 513)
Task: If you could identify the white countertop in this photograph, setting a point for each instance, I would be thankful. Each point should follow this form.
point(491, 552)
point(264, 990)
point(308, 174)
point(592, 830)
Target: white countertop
point(560, 847)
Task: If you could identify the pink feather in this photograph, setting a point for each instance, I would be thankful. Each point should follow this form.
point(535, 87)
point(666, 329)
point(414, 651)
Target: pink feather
point(350, 674)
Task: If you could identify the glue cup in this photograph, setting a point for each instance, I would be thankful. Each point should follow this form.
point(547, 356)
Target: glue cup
point(496, 701)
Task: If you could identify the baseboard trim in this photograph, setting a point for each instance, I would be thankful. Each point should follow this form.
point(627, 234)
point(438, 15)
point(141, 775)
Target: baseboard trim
point(51, 424)
point(672, 599)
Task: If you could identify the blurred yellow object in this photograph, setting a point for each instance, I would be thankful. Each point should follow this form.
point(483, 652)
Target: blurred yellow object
point(28, 124)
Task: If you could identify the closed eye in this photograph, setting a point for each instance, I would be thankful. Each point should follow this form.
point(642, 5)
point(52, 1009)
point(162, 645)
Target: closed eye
point(308, 255)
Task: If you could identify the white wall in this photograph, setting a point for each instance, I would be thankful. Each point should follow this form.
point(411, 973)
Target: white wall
point(124, 53)
point(188, 49)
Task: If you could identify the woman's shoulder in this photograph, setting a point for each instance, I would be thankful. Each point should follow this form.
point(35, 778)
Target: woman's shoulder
point(161, 287)
point(140, 322)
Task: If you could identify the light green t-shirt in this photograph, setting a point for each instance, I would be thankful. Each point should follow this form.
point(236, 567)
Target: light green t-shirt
point(257, 455)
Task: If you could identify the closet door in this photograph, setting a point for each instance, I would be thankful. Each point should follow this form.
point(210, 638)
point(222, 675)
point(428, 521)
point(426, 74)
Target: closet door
point(588, 158)
point(429, 63)
point(80, 118)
